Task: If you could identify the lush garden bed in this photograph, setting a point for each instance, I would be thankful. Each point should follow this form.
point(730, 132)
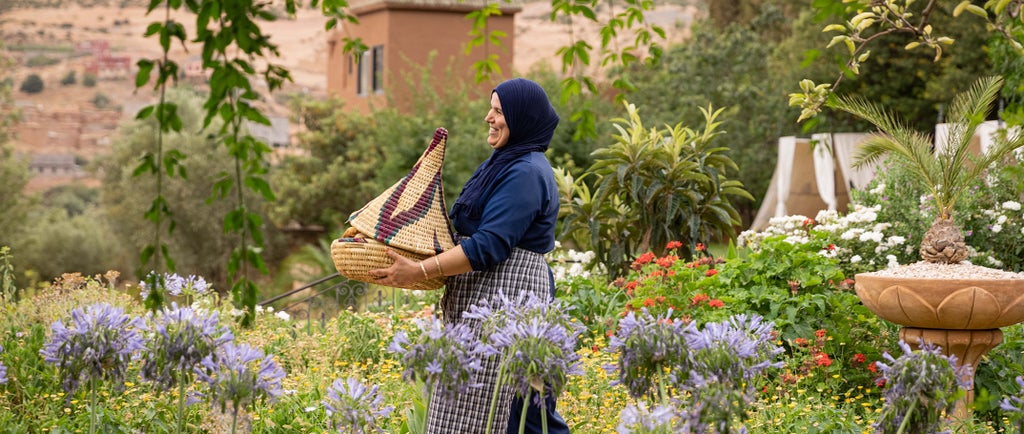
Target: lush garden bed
point(825, 378)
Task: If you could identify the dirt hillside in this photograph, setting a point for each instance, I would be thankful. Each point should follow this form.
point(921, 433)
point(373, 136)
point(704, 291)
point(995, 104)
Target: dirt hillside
point(302, 43)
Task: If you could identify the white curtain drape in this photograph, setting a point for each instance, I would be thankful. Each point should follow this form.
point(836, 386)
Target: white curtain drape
point(844, 145)
point(787, 146)
point(824, 169)
point(986, 131)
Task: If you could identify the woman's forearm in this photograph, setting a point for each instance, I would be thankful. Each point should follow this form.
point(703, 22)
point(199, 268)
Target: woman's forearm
point(449, 263)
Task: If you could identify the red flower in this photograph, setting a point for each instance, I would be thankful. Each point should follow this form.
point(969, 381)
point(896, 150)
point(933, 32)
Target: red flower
point(594, 348)
point(701, 247)
point(822, 359)
point(667, 261)
point(808, 222)
point(873, 367)
point(830, 247)
point(660, 299)
point(716, 303)
point(697, 299)
point(648, 302)
point(711, 272)
point(880, 382)
point(673, 245)
point(820, 333)
point(644, 258)
point(800, 341)
point(632, 284)
point(859, 358)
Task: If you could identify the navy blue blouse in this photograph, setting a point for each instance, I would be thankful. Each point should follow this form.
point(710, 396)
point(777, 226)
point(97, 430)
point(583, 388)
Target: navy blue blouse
point(520, 210)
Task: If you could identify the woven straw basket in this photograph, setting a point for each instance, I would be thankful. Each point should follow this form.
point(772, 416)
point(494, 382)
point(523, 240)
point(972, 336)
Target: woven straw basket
point(410, 218)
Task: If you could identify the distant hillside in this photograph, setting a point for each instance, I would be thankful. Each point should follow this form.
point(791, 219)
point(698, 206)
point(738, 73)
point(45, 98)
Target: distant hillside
point(7, 5)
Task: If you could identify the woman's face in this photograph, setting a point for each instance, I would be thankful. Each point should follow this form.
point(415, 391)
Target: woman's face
point(497, 134)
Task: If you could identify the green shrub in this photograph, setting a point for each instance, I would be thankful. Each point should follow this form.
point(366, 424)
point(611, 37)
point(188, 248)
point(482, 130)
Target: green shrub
point(100, 101)
point(69, 79)
point(54, 243)
point(40, 60)
point(32, 84)
point(652, 186)
point(89, 80)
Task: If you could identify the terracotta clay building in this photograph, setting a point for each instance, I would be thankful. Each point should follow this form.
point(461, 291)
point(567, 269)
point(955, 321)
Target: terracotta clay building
point(402, 36)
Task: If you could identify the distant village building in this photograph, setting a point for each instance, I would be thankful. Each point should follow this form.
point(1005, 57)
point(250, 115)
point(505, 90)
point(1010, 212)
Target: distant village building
point(64, 129)
point(103, 65)
point(55, 165)
point(193, 70)
point(277, 134)
point(401, 36)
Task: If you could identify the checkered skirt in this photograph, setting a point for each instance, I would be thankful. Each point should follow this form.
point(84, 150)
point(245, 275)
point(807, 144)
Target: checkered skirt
point(524, 271)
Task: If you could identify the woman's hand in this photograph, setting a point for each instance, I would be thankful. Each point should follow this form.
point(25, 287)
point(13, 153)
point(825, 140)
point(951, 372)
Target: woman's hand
point(401, 274)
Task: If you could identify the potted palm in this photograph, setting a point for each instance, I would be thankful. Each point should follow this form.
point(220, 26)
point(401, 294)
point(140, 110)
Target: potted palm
point(942, 300)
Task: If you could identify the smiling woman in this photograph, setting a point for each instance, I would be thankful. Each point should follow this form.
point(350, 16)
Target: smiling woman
point(505, 223)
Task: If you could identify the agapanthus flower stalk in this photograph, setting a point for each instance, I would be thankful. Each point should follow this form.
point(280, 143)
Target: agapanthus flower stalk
point(443, 358)
point(923, 387)
point(1013, 405)
point(638, 419)
point(354, 408)
point(3, 369)
point(651, 350)
point(726, 358)
point(181, 339)
point(700, 380)
point(96, 345)
point(240, 375)
point(155, 287)
point(535, 342)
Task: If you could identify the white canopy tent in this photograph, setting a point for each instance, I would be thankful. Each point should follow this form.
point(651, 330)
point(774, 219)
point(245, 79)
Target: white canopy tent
point(811, 175)
point(806, 181)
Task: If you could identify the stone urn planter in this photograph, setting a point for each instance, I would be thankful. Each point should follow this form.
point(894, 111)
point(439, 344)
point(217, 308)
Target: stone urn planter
point(960, 314)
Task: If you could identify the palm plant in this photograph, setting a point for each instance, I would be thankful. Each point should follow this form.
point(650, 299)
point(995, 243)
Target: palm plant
point(946, 170)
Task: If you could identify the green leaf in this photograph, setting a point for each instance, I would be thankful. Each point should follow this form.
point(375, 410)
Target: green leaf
point(145, 68)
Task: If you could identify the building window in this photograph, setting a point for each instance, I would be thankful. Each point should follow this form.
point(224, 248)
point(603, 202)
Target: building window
point(370, 71)
point(378, 69)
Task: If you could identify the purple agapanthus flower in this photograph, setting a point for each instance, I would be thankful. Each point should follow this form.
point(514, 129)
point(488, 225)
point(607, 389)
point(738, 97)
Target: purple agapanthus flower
point(443, 358)
point(1014, 407)
point(181, 339)
point(240, 374)
point(650, 348)
point(921, 386)
point(535, 340)
point(354, 408)
point(3, 369)
point(175, 285)
point(637, 419)
point(96, 344)
point(726, 356)
point(732, 351)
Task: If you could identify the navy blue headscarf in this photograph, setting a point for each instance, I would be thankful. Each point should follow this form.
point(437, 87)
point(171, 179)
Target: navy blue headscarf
point(531, 123)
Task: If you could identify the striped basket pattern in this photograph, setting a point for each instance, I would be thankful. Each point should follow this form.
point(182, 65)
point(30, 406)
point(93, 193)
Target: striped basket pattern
point(410, 217)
